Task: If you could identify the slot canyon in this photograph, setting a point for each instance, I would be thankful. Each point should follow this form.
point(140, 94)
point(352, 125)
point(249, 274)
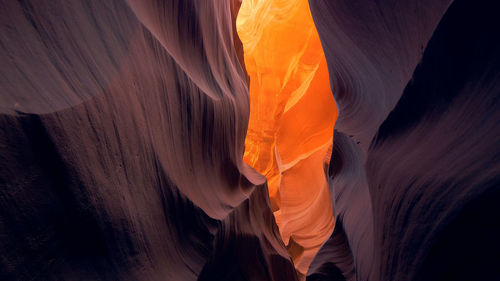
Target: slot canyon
point(230, 140)
point(292, 115)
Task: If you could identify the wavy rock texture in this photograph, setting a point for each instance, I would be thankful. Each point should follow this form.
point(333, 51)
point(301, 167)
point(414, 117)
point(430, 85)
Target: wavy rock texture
point(413, 189)
point(291, 119)
point(122, 137)
point(121, 145)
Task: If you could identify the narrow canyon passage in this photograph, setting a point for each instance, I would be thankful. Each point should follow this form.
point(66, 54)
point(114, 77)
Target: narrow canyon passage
point(129, 129)
point(292, 115)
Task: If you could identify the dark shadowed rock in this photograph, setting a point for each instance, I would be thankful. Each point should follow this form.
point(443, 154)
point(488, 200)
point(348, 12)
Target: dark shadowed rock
point(121, 140)
point(416, 198)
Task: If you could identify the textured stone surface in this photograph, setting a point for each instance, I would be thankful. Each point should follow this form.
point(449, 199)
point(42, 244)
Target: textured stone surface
point(123, 128)
point(121, 146)
point(415, 164)
point(291, 119)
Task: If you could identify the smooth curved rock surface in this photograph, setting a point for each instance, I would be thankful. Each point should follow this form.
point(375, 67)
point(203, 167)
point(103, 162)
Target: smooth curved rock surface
point(291, 119)
point(121, 145)
point(415, 163)
point(122, 137)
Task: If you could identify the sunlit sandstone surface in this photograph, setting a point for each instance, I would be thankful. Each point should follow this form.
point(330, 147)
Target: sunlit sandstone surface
point(292, 113)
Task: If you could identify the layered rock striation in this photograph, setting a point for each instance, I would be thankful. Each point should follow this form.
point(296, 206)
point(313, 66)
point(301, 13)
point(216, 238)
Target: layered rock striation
point(291, 119)
point(121, 145)
point(415, 164)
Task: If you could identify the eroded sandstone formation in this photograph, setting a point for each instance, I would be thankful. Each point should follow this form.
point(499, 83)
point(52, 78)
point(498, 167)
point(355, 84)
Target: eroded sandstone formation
point(291, 122)
point(415, 162)
point(121, 145)
point(123, 131)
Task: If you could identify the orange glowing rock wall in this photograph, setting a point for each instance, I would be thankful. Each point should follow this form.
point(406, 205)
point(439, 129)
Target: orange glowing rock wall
point(292, 113)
